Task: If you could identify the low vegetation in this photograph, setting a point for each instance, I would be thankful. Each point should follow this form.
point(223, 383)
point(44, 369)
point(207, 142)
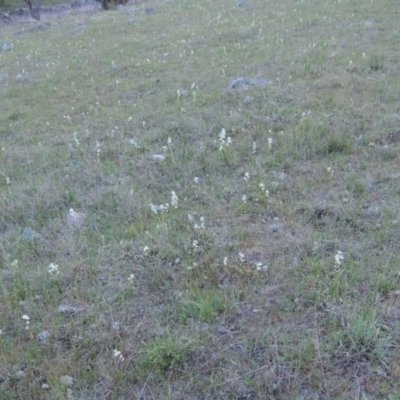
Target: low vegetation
point(165, 236)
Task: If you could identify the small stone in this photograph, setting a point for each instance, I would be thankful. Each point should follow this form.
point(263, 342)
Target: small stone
point(29, 234)
point(69, 308)
point(20, 374)
point(75, 219)
point(244, 82)
point(177, 261)
point(43, 336)
point(6, 46)
point(40, 27)
point(158, 157)
point(45, 386)
point(275, 227)
point(66, 380)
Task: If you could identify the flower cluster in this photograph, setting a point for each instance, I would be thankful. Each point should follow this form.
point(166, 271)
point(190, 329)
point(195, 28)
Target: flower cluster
point(197, 226)
point(53, 269)
point(224, 141)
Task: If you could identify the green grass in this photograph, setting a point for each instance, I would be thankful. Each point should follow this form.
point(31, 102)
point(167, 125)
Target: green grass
point(237, 288)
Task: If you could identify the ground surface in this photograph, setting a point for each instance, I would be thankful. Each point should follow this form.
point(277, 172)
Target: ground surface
point(200, 200)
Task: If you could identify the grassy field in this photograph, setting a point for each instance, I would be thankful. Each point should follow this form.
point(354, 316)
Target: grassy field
point(188, 240)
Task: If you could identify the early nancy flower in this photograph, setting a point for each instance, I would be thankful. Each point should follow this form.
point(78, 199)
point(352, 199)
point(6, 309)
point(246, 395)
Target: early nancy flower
point(246, 176)
point(174, 199)
point(53, 269)
point(339, 257)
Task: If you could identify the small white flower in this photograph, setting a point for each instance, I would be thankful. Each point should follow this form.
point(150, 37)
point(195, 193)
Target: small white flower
point(195, 244)
point(190, 217)
point(118, 354)
point(8, 181)
point(169, 141)
point(154, 208)
point(259, 266)
point(270, 143)
point(53, 269)
point(131, 278)
point(246, 176)
point(202, 223)
point(339, 258)
point(196, 179)
point(174, 200)
point(146, 250)
point(25, 317)
point(330, 171)
point(97, 149)
point(261, 186)
point(134, 143)
point(244, 198)
point(254, 148)
point(75, 135)
point(242, 257)
point(225, 262)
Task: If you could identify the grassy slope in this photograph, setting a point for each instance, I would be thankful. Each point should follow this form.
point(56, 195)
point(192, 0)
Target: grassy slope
point(84, 105)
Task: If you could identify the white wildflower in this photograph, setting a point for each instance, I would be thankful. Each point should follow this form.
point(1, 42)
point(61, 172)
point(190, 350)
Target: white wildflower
point(174, 200)
point(246, 176)
point(53, 269)
point(242, 257)
point(339, 257)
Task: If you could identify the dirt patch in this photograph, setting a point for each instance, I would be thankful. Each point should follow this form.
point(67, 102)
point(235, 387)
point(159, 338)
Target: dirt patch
point(22, 14)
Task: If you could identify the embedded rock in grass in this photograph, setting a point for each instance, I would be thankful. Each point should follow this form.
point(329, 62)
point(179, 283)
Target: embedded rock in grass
point(158, 157)
point(6, 46)
point(244, 82)
point(69, 308)
point(75, 219)
point(29, 234)
point(43, 336)
point(66, 380)
point(40, 27)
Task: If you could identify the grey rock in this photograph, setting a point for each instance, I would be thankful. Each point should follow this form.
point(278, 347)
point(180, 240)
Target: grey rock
point(244, 82)
point(40, 27)
point(69, 308)
point(6, 46)
point(29, 234)
point(158, 157)
point(276, 226)
point(43, 336)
